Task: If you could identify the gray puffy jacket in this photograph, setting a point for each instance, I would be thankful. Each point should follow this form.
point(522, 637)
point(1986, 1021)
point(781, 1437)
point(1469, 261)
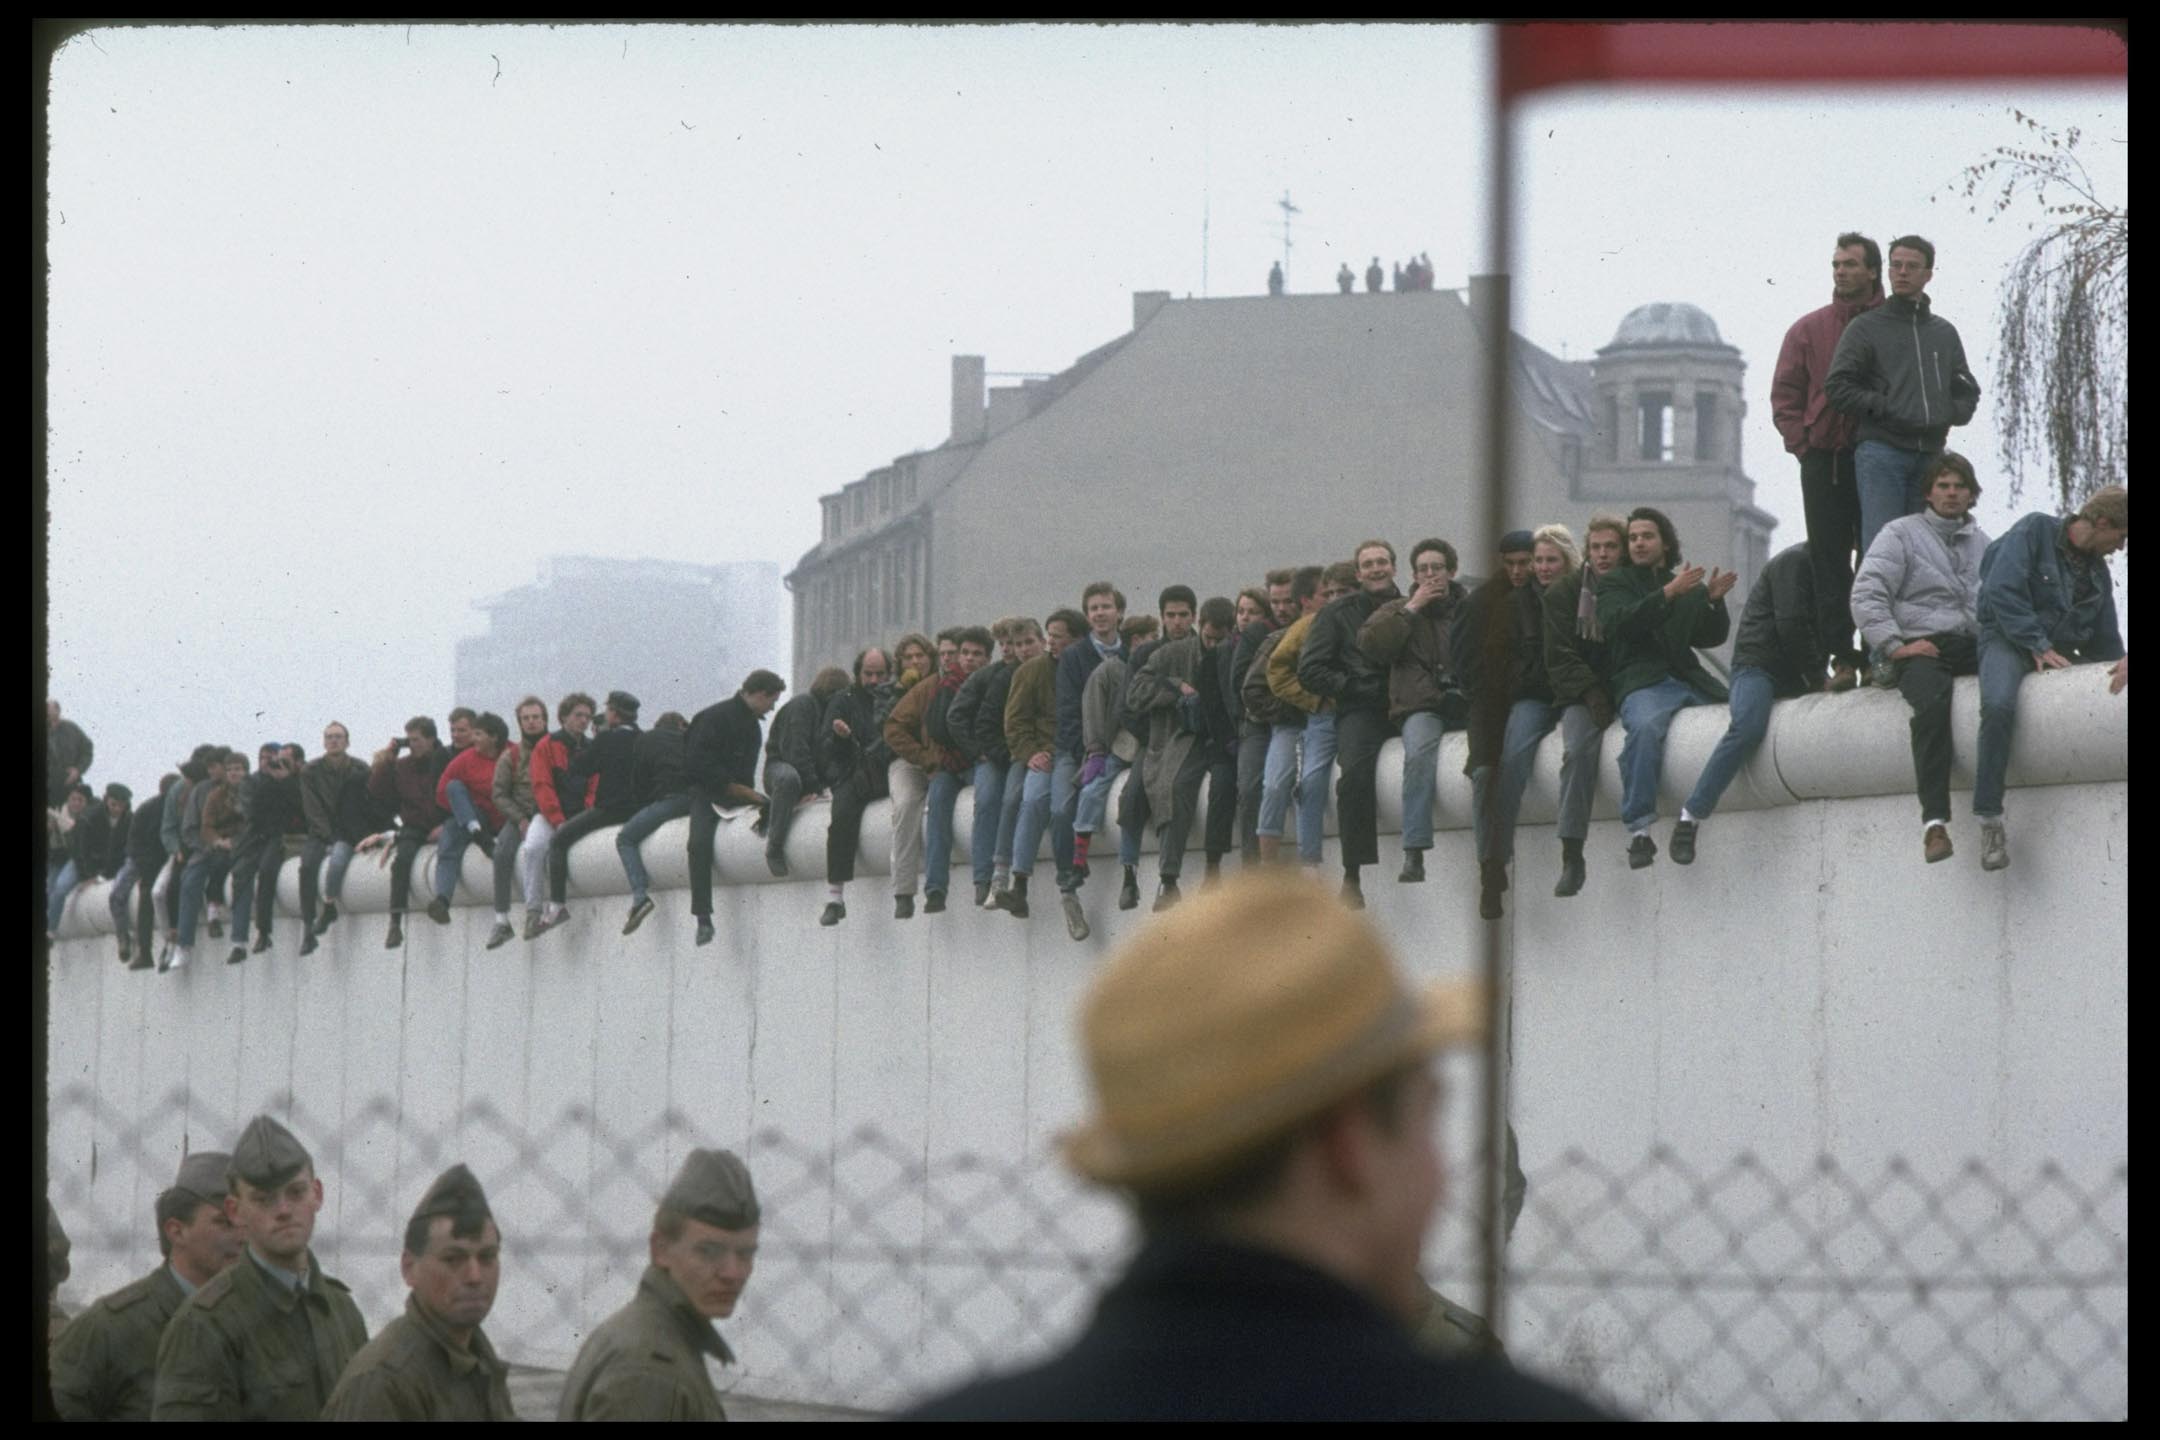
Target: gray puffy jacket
point(1921, 577)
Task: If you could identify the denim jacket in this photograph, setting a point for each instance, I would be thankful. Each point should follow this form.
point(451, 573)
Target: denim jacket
point(2026, 590)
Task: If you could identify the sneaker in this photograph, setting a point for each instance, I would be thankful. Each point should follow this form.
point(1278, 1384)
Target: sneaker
point(982, 895)
point(704, 932)
point(1572, 875)
point(503, 933)
point(308, 943)
point(638, 912)
point(776, 862)
point(1075, 922)
point(1641, 853)
point(532, 924)
point(903, 907)
point(262, 943)
point(1683, 842)
point(1935, 845)
point(834, 913)
point(1353, 893)
point(329, 915)
point(1413, 868)
point(933, 902)
point(1128, 895)
point(1167, 896)
point(1843, 678)
point(1994, 846)
point(396, 937)
point(217, 928)
point(438, 910)
point(237, 954)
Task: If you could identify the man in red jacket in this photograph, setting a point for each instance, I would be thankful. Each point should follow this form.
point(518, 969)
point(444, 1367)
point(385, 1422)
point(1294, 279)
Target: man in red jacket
point(1823, 439)
point(467, 791)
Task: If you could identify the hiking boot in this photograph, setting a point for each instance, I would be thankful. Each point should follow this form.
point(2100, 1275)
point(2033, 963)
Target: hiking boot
point(237, 954)
point(503, 933)
point(308, 943)
point(1167, 896)
point(1571, 877)
point(1683, 842)
point(833, 914)
point(1353, 893)
point(1075, 921)
point(1014, 901)
point(777, 863)
point(982, 895)
point(1843, 678)
point(438, 910)
point(1413, 868)
point(1994, 846)
point(1935, 845)
point(638, 912)
point(329, 916)
point(396, 937)
point(262, 943)
point(933, 902)
point(903, 907)
point(1128, 895)
point(704, 931)
point(1641, 853)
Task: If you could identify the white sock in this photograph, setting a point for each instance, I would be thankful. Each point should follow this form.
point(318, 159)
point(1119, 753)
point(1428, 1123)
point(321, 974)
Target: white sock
point(1687, 816)
point(835, 892)
point(1927, 825)
point(502, 917)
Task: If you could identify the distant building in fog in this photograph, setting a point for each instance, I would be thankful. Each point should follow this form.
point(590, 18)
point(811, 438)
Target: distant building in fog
point(1220, 437)
point(677, 636)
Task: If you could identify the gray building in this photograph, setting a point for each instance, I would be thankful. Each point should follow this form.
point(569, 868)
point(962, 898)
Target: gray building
point(1219, 438)
point(677, 636)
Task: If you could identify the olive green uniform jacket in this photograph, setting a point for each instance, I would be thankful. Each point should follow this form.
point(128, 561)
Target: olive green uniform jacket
point(413, 1372)
point(647, 1360)
point(245, 1347)
point(105, 1366)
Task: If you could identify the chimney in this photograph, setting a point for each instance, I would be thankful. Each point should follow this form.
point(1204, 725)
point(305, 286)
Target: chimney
point(967, 399)
point(1145, 303)
point(1486, 293)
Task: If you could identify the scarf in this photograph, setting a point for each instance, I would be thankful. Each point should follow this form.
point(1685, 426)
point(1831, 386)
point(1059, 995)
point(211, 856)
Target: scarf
point(1586, 621)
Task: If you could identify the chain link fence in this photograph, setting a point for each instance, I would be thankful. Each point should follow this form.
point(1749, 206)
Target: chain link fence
point(1661, 1287)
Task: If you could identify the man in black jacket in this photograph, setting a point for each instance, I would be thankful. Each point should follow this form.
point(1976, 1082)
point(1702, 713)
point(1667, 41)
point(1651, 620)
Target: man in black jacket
point(1284, 1180)
point(147, 859)
point(339, 814)
point(977, 718)
point(1332, 666)
point(660, 785)
point(848, 757)
point(721, 755)
point(1777, 656)
point(274, 810)
point(97, 848)
point(612, 756)
point(794, 770)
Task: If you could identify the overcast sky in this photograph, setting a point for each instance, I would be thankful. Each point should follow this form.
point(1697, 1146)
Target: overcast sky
point(352, 325)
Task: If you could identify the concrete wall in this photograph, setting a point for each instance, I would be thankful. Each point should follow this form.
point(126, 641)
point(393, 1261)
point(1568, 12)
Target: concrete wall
point(1809, 987)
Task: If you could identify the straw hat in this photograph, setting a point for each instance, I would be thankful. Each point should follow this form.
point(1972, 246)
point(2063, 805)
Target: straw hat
point(1243, 1012)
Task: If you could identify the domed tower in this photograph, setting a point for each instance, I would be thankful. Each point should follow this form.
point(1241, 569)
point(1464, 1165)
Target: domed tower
point(1669, 406)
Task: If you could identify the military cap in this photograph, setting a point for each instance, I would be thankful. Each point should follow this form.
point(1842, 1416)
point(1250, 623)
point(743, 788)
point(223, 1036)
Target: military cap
point(623, 703)
point(203, 1175)
point(267, 1155)
point(714, 1186)
point(455, 1193)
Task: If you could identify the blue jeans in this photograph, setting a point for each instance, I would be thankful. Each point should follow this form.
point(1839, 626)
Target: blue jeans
point(1420, 768)
point(1034, 818)
point(1064, 801)
point(1753, 694)
point(123, 887)
point(340, 855)
point(945, 787)
point(1528, 723)
point(56, 894)
point(205, 874)
point(456, 835)
point(1888, 479)
point(633, 833)
point(989, 820)
point(1317, 763)
point(2003, 667)
point(1646, 714)
point(1278, 778)
point(1094, 803)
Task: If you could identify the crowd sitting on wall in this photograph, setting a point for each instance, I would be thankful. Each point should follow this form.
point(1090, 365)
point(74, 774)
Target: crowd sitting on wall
point(1260, 700)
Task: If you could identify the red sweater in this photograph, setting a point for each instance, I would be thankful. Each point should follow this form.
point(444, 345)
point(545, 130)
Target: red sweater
point(549, 757)
point(1797, 405)
point(478, 773)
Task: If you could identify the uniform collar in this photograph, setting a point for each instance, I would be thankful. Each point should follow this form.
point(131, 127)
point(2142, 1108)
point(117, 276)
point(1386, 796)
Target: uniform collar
point(661, 1288)
point(180, 1280)
point(284, 1283)
point(462, 1362)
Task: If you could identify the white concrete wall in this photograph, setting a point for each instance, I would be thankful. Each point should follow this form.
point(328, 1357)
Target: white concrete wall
point(1808, 987)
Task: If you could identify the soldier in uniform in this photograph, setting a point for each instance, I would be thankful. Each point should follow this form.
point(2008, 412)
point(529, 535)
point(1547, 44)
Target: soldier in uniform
point(647, 1360)
point(268, 1337)
point(434, 1362)
point(106, 1366)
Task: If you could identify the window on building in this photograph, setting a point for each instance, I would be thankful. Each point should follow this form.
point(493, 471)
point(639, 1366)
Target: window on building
point(1706, 418)
point(1654, 427)
point(859, 509)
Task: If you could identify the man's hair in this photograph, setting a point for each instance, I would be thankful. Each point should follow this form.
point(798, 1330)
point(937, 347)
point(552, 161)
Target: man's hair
point(1101, 587)
point(865, 653)
point(1868, 248)
point(977, 635)
point(1255, 1175)
point(1665, 530)
point(1074, 622)
point(571, 702)
point(1306, 582)
point(465, 713)
point(1173, 594)
point(1259, 597)
point(530, 700)
point(1341, 572)
point(950, 632)
point(674, 720)
point(913, 637)
point(1364, 545)
point(1287, 575)
point(1219, 611)
point(423, 724)
point(763, 682)
point(493, 725)
point(1454, 562)
point(1606, 520)
point(174, 1204)
point(1137, 628)
point(469, 1222)
point(1558, 537)
point(828, 682)
point(299, 751)
point(2108, 505)
point(341, 725)
point(1949, 462)
point(1914, 242)
point(1004, 630)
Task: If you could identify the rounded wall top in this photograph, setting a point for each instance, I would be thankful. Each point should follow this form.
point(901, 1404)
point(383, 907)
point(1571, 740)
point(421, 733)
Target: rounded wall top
point(1667, 325)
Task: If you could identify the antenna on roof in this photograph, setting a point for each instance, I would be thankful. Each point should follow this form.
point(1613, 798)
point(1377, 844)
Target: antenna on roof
point(1288, 210)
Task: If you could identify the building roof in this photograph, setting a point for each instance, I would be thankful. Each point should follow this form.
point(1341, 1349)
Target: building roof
point(1667, 325)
